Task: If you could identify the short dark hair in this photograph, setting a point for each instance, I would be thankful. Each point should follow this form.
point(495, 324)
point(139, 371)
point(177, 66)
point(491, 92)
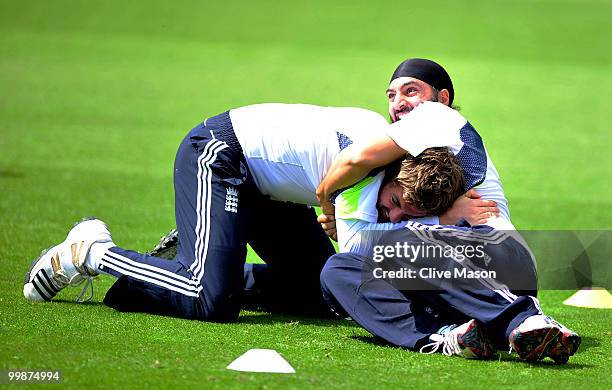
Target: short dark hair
point(431, 181)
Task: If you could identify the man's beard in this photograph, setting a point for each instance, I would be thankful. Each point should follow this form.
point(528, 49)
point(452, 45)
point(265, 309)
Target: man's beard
point(433, 98)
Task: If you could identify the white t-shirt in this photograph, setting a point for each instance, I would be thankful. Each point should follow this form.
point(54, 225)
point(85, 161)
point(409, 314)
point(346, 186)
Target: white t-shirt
point(290, 147)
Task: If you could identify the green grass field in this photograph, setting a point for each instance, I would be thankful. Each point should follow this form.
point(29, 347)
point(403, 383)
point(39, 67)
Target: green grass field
point(95, 96)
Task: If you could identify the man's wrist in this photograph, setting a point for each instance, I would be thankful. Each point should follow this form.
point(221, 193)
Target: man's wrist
point(327, 207)
point(322, 195)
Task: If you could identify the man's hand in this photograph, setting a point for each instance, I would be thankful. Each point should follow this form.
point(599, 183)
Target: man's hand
point(328, 220)
point(471, 208)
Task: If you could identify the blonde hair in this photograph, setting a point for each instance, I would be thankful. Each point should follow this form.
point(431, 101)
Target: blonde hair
point(431, 181)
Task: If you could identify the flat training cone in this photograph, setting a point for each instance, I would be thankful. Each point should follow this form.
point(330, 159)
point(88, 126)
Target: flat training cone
point(593, 297)
point(261, 360)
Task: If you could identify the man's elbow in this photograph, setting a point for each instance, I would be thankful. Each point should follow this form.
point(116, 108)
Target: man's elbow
point(359, 159)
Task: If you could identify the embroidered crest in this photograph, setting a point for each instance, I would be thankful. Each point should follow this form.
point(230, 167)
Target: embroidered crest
point(231, 200)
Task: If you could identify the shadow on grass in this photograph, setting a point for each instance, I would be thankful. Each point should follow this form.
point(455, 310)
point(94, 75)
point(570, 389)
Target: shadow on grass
point(550, 365)
point(251, 316)
point(11, 174)
point(501, 356)
point(372, 340)
point(588, 342)
point(266, 318)
point(74, 302)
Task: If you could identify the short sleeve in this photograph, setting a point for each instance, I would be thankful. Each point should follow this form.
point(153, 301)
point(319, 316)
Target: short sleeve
point(429, 125)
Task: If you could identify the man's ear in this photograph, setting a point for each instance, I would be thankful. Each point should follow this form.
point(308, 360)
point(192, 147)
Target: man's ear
point(444, 97)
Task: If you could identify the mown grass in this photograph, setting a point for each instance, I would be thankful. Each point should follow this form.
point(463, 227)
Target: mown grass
point(96, 96)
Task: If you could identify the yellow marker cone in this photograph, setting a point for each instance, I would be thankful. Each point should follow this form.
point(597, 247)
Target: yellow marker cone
point(593, 297)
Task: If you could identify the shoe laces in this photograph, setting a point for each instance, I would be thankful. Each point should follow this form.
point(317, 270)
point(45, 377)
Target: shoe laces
point(448, 342)
point(88, 283)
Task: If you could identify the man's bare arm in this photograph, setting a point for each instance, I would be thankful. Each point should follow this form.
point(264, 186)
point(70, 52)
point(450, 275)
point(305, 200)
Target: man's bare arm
point(468, 206)
point(354, 163)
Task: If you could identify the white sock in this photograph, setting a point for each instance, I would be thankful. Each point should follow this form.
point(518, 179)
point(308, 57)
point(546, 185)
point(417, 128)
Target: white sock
point(95, 254)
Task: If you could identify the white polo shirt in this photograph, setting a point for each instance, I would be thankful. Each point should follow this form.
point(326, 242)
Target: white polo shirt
point(290, 147)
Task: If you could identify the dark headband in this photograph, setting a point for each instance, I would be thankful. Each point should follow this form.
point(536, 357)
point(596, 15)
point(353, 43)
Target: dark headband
point(427, 71)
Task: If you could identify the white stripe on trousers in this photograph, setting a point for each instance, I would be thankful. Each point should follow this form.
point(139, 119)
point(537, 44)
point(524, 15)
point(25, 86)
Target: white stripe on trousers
point(427, 236)
point(150, 274)
point(493, 236)
point(209, 155)
point(536, 302)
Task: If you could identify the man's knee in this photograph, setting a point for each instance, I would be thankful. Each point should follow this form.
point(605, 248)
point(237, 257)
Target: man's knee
point(328, 276)
point(221, 308)
point(337, 277)
point(342, 269)
point(329, 273)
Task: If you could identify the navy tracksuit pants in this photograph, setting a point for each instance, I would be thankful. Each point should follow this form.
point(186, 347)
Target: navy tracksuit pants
point(218, 211)
point(406, 311)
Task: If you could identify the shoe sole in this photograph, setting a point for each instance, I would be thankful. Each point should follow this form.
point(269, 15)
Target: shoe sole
point(567, 345)
point(27, 275)
point(532, 345)
point(40, 280)
point(476, 341)
point(167, 246)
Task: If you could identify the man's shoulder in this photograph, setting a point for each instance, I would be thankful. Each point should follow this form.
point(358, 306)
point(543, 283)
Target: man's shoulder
point(360, 111)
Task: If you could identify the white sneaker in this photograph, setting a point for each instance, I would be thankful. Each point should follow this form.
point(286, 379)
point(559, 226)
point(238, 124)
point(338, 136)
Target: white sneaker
point(468, 340)
point(540, 336)
point(64, 264)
